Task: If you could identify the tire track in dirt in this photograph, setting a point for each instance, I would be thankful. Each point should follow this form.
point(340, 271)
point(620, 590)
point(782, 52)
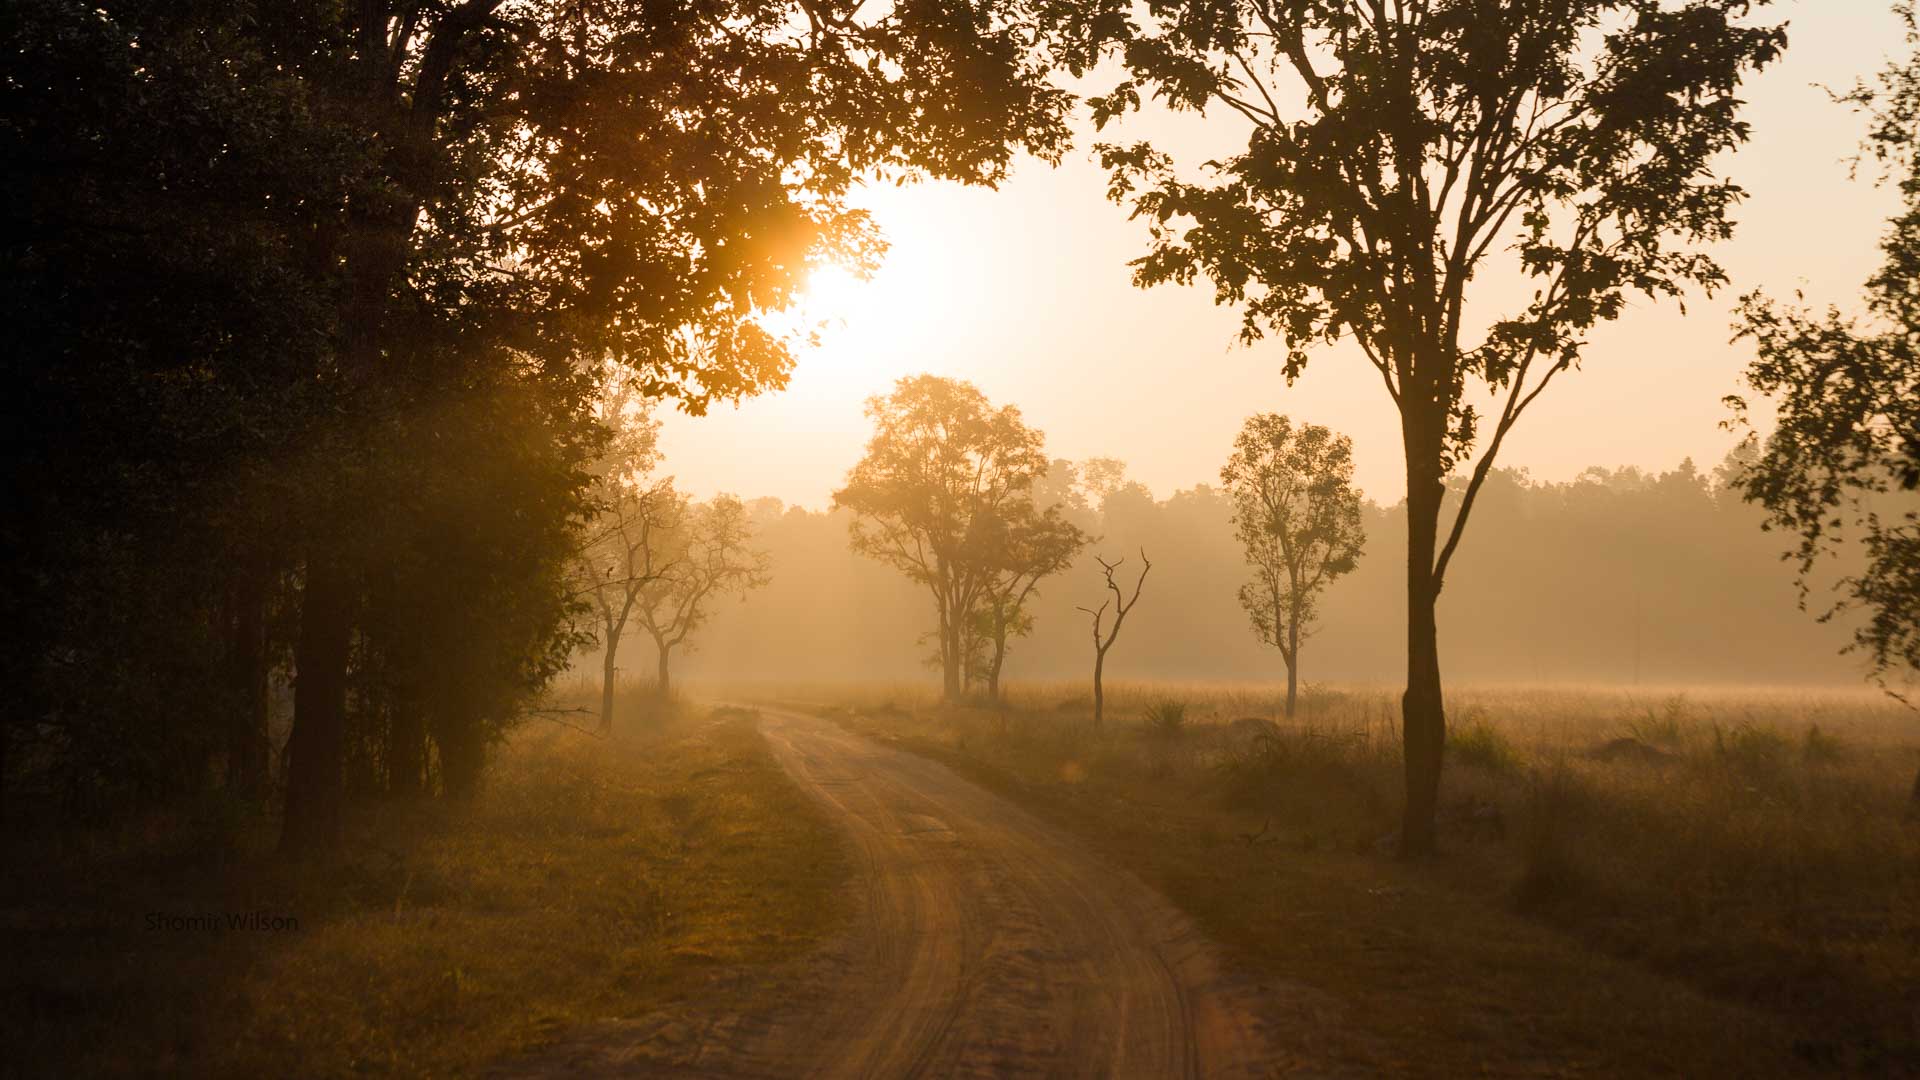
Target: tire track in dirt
point(985, 943)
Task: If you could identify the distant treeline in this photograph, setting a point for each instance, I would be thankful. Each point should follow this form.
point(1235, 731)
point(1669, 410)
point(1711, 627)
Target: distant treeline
point(1618, 575)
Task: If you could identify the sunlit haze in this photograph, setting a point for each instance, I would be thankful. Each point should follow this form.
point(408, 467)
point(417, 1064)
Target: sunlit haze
point(1026, 292)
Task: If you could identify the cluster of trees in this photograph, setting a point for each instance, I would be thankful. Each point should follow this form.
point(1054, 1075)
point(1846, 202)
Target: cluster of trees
point(959, 496)
point(310, 306)
point(651, 554)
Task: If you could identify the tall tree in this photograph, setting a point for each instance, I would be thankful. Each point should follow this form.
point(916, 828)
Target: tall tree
point(1105, 635)
point(1846, 393)
point(1394, 150)
point(707, 553)
point(1297, 516)
point(942, 475)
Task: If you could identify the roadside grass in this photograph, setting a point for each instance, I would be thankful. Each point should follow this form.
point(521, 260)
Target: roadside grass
point(589, 879)
point(1707, 883)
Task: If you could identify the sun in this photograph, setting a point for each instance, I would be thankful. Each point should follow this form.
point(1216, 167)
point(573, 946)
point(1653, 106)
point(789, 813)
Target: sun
point(833, 294)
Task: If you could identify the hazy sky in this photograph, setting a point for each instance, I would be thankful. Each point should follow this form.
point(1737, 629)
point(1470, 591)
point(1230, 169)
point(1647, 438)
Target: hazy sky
point(1025, 291)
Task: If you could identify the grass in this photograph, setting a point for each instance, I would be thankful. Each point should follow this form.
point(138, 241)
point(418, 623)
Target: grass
point(590, 879)
point(1739, 901)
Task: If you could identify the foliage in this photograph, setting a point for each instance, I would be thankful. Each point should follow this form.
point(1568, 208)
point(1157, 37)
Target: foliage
point(1167, 719)
point(1297, 516)
point(1846, 397)
point(1483, 746)
point(1667, 727)
point(943, 495)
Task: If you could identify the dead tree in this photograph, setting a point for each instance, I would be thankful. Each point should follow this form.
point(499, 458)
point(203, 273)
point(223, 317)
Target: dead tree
point(1102, 641)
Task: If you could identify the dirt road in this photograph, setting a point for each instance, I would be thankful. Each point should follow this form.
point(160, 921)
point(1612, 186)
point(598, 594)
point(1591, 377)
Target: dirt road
point(985, 943)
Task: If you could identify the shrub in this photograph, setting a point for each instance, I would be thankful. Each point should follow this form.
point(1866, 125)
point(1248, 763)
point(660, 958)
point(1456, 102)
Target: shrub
point(1664, 728)
point(1750, 747)
point(1167, 720)
point(1549, 871)
point(1480, 744)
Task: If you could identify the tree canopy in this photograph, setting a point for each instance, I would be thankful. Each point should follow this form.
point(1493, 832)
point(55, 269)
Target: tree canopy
point(1845, 445)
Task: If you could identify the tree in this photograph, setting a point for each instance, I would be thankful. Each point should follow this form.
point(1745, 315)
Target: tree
point(1846, 392)
point(1032, 545)
point(707, 554)
point(622, 553)
point(1394, 150)
point(1297, 515)
point(622, 558)
point(1104, 639)
point(943, 475)
point(553, 183)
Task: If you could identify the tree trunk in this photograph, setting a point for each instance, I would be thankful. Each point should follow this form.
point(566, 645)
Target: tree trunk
point(606, 682)
point(406, 745)
point(950, 659)
point(1916, 793)
point(317, 744)
point(1292, 657)
point(1099, 694)
point(665, 685)
point(247, 741)
point(1423, 720)
point(462, 747)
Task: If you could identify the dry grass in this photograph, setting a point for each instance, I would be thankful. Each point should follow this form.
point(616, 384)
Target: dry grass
point(590, 879)
point(1737, 890)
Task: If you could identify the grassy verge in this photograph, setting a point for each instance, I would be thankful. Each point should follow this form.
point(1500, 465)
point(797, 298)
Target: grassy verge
point(590, 879)
point(1738, 901)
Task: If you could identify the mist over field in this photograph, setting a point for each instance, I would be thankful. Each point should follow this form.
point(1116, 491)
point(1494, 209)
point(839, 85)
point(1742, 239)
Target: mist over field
point(1618, 577)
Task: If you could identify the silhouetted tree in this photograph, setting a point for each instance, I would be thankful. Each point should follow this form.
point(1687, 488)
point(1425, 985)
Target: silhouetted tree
point(942, 476)
point(1104, 639)
point(1393, 149)
point(1846, 393)
point(1297, 516)
point(706, 555)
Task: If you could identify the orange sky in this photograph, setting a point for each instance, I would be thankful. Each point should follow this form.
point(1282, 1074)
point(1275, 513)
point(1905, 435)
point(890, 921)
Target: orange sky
point(1025, 292)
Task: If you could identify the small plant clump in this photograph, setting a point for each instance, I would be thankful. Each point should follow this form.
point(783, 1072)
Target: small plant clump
point(1480, 744)
point(1167, 719)
point(1820, 747)
point(1666, 728)
point(1751, 748)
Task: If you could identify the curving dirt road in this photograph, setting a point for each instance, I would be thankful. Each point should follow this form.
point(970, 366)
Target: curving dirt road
point(985, 943)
